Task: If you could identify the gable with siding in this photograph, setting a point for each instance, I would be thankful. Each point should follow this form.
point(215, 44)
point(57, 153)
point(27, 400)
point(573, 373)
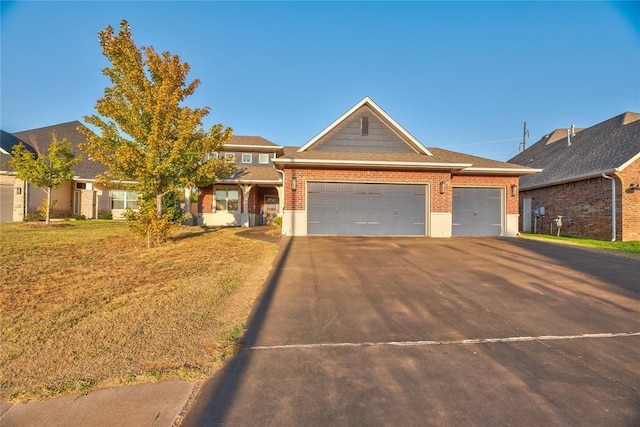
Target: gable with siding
point(377, 136)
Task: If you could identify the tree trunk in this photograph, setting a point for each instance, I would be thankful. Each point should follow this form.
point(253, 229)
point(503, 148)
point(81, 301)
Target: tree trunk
point(159, 205)
point(48, 215)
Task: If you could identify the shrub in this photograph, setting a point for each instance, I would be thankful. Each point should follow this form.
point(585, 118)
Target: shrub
point(105, 215)
point(79, 217)
point(277, 221)
point(31, 217)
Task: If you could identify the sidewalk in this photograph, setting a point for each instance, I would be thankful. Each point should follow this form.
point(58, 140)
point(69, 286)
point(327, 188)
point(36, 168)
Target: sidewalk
point(156, 404)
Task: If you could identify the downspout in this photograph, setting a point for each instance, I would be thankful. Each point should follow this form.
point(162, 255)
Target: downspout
point(613, 206)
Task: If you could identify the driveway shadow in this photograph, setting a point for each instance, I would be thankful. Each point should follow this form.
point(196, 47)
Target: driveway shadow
point(216, 396)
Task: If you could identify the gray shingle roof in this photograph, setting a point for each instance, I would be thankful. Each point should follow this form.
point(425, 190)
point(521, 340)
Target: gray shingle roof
point(40, 139)
point(457, 161)
point(254, 173)
point(600, 148)
point(250, 140)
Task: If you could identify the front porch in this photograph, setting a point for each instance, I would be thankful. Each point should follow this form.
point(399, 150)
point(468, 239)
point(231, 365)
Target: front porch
point(239, 205)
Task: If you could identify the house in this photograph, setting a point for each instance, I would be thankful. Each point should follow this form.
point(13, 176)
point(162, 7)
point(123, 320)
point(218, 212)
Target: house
point(11, 188)
point(366, 175)
point(79, 196)
point(251, 194)
point(590, 181)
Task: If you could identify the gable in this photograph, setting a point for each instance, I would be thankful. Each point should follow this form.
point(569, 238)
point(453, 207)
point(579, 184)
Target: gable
point(376, 137)
point(346, 134)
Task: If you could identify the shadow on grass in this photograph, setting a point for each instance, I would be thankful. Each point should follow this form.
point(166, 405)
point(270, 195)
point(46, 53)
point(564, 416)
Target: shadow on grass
point(194, 232)
point(217, 395)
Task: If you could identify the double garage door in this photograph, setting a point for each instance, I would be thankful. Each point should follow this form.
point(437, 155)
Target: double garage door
point(360, 209)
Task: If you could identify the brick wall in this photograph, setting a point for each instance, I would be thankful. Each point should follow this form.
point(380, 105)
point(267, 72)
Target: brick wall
point(630, 201)
point(295, 200)
point(585, 206)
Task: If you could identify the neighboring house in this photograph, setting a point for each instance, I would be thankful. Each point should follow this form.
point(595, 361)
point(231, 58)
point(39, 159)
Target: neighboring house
point(11, 188)
point(590, 178)
point(251, 194)
point(78, 196)
point(366, 175)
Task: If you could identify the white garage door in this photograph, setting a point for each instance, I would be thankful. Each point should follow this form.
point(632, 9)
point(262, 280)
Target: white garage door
point(366, 209)
point(477, 211)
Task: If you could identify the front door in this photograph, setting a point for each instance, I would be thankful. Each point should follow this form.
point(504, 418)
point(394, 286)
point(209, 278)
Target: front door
point(270, 209)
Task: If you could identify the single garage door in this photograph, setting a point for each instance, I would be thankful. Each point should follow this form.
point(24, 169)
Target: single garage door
point(365, 209)
point(6, 202)
point(477, 212)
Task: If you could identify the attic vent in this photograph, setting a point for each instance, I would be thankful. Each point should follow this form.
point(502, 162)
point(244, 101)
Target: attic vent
point(364, 125)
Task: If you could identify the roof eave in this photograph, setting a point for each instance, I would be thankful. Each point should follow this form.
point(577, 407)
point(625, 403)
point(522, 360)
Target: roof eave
point(249, 181)
point(500, 171)
point(570, 179)
point(255, 147)
point(378, 164)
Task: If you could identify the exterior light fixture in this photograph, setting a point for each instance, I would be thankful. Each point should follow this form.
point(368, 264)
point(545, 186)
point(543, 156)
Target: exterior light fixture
point(634, 187)
point(18, 190)
point(294, 184)
point(514, 190)
point(443, 187)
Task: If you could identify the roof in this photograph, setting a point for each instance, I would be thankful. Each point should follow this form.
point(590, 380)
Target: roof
point(606, 147)
point(382, 115)
point(254, 175)
point(7, 141)
point(40, 139)
point(253, 143)
point(439, 159)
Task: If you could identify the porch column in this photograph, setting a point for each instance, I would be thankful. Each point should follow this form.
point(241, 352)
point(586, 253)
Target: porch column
point(246, 190)
point(280, 189)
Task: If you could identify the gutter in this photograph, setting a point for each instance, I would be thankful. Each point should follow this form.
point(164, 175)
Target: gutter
point(360, 163)
point(572, 179)
point(613, 206)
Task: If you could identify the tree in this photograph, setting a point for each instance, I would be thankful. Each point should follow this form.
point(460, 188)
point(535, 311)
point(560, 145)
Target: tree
point(45, 170)
point(146, 134)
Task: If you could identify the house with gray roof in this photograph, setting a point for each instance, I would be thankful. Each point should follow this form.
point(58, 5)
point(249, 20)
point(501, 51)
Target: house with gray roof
point(364, 174)
point(589, 184)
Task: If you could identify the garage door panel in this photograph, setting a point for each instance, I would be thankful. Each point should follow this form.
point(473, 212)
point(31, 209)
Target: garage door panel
point(477, 212)
point(365, 209)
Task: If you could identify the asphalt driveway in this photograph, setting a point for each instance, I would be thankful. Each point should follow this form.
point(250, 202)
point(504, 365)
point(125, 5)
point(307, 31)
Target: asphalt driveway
point(409, 331)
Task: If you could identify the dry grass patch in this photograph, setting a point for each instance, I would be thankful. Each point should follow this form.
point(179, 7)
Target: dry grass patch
point(86, 306)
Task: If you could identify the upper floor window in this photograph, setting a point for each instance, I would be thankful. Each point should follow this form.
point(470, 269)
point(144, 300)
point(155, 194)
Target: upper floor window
point(263, 159)
point(229, 156)
point(247, 158)
point(212, 156)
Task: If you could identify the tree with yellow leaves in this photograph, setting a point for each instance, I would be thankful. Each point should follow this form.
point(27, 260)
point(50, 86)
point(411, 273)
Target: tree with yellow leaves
point(146, 134)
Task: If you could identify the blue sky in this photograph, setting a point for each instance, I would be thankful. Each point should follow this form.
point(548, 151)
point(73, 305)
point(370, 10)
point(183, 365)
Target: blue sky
point(457, 75)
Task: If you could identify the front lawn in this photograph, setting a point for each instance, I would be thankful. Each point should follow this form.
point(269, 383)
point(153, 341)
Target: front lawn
point(628, 247)
point(85, 305)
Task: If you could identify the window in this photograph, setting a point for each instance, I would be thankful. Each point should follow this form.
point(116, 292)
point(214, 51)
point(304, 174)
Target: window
point(247, 158)
point(81, 185)
point(226, 199)
point(229, 156)
point(122, 199)
point(263, 159)
point(364, 125)
point(212, 156)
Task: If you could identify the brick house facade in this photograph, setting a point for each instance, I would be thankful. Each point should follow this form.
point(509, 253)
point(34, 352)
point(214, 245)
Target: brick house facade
point(572, 187)
point(334, 182)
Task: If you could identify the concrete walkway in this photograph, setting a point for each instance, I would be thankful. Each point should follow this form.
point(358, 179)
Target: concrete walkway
point(156, 404)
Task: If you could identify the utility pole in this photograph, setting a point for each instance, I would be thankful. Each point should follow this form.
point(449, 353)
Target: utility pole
point(525, 135)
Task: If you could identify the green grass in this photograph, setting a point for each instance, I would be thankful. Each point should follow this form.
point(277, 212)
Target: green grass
point(85, 305)
point(627, 247)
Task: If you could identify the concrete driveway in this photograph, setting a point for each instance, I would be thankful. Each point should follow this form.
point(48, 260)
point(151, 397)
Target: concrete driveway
point(408, 331)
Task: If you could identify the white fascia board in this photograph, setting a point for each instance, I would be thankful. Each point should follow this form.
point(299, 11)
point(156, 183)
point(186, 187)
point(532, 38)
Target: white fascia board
point(628, 162)
point(571, 179)
point(376, 108)
point(3, 151)
point(501, 171)
point(80, 179)
point(420, 165)
point(248, 181)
